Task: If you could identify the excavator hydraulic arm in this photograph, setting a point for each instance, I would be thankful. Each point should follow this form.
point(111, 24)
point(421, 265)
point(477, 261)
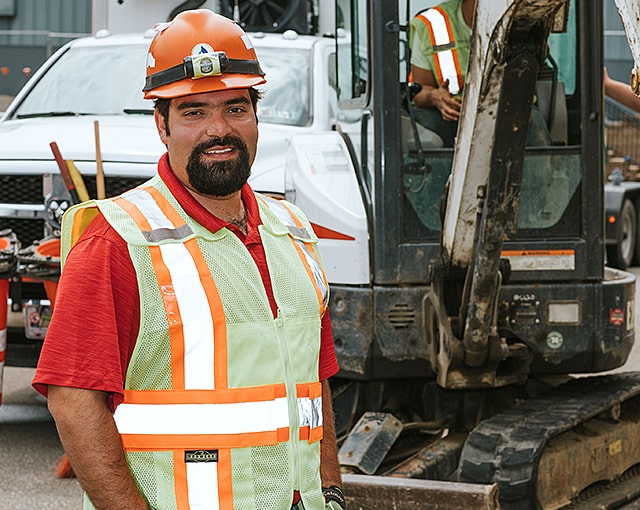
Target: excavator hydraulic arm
point(630, 14)
point(509, 43)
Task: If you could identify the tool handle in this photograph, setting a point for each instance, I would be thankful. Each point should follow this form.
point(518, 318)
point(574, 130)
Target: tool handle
point(64, 172)
point(100, 180)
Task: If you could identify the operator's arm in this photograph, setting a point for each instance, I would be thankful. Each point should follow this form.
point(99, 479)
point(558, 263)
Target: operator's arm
point(329, 465)
point(90, 438)
point(621, 92)
point(433, 96)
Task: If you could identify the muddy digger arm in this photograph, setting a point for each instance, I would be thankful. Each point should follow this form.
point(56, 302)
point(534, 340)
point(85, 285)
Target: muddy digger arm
point(508, 44)
point(630, 14)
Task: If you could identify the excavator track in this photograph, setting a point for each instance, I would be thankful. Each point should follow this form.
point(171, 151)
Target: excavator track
point(509, 448)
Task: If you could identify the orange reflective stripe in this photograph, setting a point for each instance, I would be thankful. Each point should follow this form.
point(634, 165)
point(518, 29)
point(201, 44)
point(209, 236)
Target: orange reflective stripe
point(166, 207)
point(309, 390)
point(316, 434)
point(180, 480)
point(225, 482)
point(217, 396)
point(146, 442)
point(174, 320)
point(134, 212)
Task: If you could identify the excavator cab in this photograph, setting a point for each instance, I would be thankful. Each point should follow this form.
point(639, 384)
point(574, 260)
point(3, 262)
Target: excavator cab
point(484, 284)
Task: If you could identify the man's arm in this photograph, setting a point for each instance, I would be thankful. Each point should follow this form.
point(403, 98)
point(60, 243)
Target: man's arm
point(90, 438)
point(620, 92)
point(329, 465)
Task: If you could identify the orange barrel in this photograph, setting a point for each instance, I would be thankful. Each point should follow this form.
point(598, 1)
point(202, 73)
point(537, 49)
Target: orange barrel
point(41, 262)
point(4, 303)
point(9, 246)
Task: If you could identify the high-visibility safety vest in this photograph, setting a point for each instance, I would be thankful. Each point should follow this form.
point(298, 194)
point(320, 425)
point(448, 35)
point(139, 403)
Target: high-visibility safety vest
point(447, 35)
point(222, 406)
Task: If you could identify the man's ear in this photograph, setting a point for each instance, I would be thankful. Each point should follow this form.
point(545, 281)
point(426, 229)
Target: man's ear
point(160, 126)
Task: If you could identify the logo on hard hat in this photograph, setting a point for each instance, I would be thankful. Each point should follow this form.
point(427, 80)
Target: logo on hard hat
point(201, 48)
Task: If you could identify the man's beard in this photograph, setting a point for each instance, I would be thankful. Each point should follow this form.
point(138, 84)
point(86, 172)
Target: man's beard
point(219, 178)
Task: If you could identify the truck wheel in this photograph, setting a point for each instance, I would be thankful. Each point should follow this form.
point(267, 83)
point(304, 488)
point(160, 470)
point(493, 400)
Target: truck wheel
point(622, 253)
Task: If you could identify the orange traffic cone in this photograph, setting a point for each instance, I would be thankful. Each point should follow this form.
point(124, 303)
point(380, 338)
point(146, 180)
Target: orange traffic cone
point(64, 469)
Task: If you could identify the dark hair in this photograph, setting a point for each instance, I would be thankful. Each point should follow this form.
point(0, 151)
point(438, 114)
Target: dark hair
point(162, 105)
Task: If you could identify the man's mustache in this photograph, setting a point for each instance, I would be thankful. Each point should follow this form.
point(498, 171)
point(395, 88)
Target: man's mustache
point(229, 140)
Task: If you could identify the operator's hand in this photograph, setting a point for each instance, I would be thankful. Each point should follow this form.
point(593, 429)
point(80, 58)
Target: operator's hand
point(443, 100)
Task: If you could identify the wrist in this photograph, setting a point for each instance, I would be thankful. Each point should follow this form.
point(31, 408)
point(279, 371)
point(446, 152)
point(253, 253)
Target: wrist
point(335, 494)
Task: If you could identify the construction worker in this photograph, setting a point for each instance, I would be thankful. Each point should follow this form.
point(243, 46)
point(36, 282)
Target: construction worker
point(440, 42)
point(187, 360)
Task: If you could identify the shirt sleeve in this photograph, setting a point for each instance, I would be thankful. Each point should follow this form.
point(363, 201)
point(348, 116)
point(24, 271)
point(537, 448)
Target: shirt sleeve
point(421, 48)
point(95, 319)
point(328, 365)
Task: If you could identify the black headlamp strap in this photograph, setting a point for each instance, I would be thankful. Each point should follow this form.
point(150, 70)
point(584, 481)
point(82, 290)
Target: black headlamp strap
point(185, 70)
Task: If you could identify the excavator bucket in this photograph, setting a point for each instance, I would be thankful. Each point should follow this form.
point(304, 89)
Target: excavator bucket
point(386, 493)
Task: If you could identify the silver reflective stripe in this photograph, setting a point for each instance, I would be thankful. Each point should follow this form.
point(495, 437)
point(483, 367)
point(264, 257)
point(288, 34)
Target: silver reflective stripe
point(318, 274)
point(162, 227)
point(161, 234)
point(310, 410)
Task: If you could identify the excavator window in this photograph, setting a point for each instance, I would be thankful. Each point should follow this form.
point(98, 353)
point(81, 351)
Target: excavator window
point(552, 175)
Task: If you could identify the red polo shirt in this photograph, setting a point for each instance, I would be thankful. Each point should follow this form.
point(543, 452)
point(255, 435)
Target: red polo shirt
point(97, 314)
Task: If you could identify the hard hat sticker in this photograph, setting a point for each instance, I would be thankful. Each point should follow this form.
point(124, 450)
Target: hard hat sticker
point(151, 61)
point(159, 27)
point(247, 42)
point(201, 49)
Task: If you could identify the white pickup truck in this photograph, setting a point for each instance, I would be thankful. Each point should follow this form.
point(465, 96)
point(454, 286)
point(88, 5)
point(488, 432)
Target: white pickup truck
point(100, 79)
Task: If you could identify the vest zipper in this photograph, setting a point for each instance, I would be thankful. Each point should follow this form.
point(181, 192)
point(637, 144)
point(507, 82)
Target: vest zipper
point(292, 402)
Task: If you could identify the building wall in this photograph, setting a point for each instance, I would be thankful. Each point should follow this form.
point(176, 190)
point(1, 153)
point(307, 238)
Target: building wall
point(31, 30)
point(617, 55)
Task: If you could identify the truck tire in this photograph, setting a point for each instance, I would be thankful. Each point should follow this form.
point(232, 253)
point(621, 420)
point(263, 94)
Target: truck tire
point(622, 254)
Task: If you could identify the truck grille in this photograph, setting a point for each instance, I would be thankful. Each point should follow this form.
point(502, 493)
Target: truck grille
point(24, 189)
point(21, 189)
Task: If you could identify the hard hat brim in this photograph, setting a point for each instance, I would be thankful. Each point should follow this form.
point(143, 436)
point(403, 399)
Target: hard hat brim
point(201, 85)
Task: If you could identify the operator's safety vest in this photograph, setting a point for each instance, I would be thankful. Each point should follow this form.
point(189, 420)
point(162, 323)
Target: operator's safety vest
point(446, 58)
point(222, 406)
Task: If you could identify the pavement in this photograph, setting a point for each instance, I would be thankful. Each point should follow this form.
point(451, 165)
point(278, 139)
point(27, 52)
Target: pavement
point(30, 451)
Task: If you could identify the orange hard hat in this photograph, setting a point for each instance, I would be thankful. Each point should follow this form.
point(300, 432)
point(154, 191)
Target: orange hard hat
point(200, 51)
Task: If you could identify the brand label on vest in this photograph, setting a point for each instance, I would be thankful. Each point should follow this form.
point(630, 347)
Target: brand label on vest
point(201, 456)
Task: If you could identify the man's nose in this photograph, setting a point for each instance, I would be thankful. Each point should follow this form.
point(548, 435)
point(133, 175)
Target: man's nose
point(218, 125)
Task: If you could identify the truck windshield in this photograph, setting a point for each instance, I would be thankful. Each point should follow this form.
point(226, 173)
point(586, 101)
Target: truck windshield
point(108, 80)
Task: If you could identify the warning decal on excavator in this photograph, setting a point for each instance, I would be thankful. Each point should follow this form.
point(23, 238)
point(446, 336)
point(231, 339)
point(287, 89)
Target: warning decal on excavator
point(541, 260)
